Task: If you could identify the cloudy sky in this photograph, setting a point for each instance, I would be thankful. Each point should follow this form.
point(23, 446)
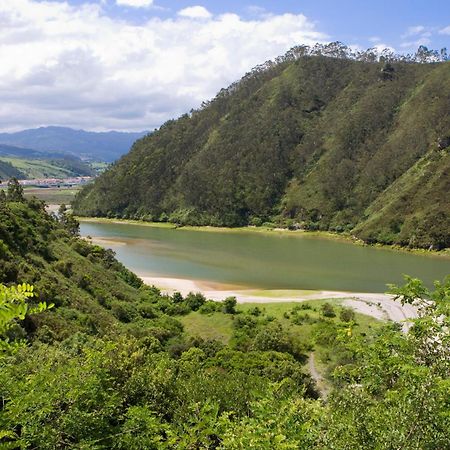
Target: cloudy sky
point(132, 64)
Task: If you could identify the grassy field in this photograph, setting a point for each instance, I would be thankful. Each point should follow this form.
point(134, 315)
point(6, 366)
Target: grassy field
point(220, 326)
point(53, 196)
point(216, 326)
point(99, 166)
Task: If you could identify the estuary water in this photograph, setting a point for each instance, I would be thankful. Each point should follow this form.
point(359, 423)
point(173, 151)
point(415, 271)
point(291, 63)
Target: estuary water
point(262, 260)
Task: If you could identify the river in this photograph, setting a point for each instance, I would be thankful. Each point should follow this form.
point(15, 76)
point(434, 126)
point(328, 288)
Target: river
point(264, 261)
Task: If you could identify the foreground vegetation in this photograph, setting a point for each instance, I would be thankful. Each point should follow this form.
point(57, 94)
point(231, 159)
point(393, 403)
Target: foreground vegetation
point(91, 358)
point(311, 142)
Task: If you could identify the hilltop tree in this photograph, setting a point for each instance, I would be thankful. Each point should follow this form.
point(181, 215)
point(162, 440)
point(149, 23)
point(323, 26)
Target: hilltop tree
point(14, 191)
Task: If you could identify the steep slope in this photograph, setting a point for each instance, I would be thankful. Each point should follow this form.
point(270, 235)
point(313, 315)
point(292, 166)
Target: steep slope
point(84, 282)
point(103, 146)
point(8, 171)
point(314, 141)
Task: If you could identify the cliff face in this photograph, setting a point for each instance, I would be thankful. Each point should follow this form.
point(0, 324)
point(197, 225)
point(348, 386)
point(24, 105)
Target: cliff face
point(324, 142)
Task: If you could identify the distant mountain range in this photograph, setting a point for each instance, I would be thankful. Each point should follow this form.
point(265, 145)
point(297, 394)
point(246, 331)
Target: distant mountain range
point(30, 153)
point(102, 146)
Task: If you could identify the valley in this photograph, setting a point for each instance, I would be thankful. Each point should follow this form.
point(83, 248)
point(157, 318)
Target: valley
point(223, 229)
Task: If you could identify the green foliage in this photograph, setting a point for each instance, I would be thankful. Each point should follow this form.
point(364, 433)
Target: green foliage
point(68, 221)
point(13, 308)
point(229, 305)
point(107, 367)
point(194, 301)
point(347, 315)
point(395, 393)
point(328, 310)
point(14, 192)
point(209, 307)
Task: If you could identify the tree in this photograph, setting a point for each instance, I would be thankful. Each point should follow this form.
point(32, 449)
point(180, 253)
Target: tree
point(229, 305)
point(394, 393)
point(68, 221)
point(328, 310)
point(14, 191)
point(347, 315)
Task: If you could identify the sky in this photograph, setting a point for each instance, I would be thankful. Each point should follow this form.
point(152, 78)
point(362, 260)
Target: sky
point(130, 65)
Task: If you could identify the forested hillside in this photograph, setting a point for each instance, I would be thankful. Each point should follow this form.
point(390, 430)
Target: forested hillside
point(90, 358)
point(311, 141)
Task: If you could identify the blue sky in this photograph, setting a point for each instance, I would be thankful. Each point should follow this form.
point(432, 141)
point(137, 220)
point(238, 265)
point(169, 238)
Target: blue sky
point(348, 21)
point(133, 64)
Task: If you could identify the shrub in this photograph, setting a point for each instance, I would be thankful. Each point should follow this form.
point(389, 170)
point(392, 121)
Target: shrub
point(328, 310)
point(179, 309)
point(123, 311)
point(209, 307)
point(147, 311)
point(229, 305)
point(195, 301)
point(255, 311)
point(347, 315)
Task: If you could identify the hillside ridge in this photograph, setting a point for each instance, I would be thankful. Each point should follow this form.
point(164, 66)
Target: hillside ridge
point(309, 141)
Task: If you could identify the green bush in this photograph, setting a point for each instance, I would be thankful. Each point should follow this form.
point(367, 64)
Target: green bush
point(209, 307)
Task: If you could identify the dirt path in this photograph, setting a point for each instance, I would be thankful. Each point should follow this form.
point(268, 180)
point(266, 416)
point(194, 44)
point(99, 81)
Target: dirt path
point(315, 375)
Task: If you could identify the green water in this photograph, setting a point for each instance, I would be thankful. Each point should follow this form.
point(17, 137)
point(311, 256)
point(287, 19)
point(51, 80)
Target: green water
point(273, 261)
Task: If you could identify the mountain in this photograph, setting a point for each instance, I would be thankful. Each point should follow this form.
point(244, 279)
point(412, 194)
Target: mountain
point(311, 141)
point(28, 153)
point(104, 146)
point(26, 163)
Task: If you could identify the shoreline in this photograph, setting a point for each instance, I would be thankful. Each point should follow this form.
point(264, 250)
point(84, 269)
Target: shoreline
point(271, 232)
point(379, 306)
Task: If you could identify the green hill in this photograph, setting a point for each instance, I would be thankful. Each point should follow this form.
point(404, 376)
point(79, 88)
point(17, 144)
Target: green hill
point(30, 163)
point(312, 141)
point(7, 171)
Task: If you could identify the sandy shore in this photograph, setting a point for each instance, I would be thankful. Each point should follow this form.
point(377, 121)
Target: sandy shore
point(380, 306)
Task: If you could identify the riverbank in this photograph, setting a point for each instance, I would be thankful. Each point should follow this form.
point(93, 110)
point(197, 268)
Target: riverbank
point(271, 232)
point(379, 306)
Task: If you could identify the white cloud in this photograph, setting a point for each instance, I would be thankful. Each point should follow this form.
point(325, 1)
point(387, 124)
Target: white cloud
point(195, 12)
point(135, 3)
point(74, 66)
point(416, 36)
point(413, 45)
point(412, 31)
point(445, 30)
